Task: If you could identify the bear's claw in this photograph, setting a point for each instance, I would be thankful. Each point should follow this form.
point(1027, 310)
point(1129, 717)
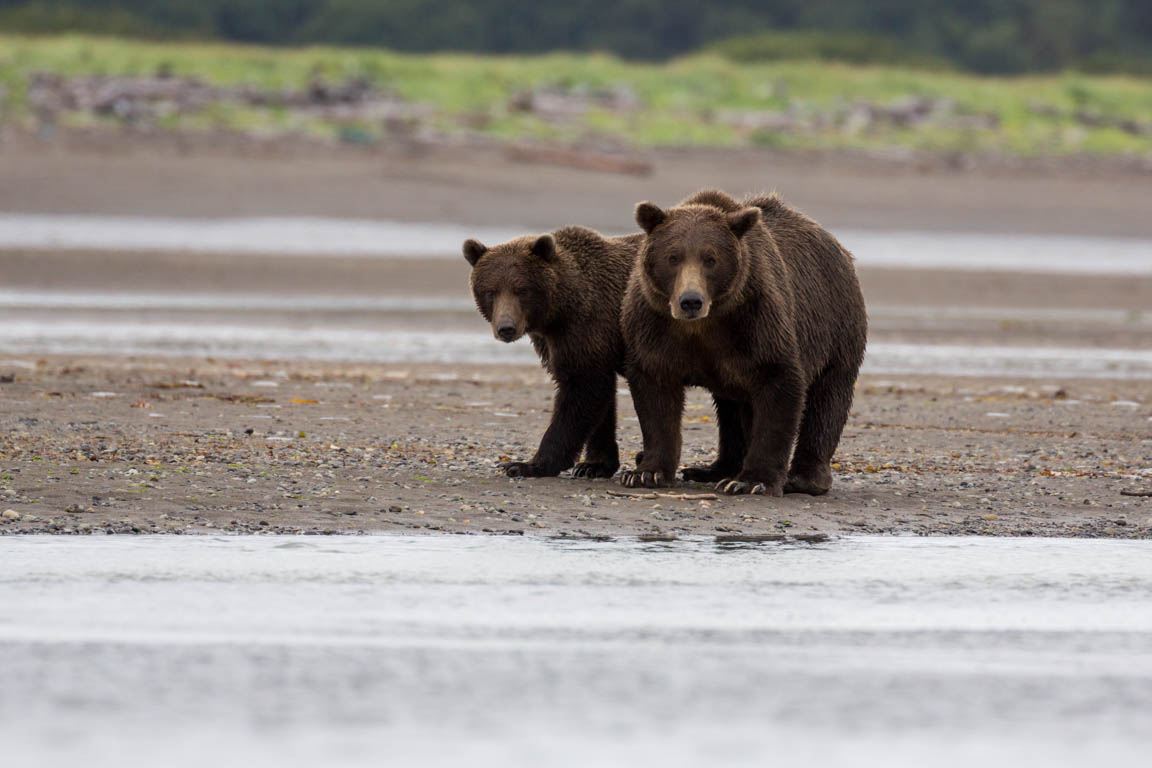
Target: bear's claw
point(737, 487)
point(633, 478)
point(594, 469)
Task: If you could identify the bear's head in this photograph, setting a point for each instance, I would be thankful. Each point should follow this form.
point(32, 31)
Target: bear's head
point(693, 256)
point(513, 283)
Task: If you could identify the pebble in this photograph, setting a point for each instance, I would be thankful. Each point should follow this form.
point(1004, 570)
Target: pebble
point(10, 514)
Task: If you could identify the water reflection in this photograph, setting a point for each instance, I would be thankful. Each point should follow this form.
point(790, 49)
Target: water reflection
point(523, 651)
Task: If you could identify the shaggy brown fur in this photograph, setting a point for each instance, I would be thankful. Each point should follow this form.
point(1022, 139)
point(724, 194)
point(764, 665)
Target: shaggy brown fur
point(757, 303)
point(564, 290)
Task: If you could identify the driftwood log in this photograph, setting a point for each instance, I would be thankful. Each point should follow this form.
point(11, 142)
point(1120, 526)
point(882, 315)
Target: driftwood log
point(585, 160)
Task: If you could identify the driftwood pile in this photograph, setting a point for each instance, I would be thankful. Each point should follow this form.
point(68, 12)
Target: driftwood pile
point(150, 97)
point(558, 102)
point(585, 159)
point(861, 117)
point(1092, 119)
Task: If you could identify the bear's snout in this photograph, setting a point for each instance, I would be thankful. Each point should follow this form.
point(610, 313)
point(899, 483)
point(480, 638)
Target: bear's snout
point(506, 331)
point(508, 321)
point(691, 302)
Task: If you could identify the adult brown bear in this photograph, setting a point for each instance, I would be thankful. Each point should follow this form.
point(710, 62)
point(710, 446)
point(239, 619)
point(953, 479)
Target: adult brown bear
point(564, 290)
point(760, 305)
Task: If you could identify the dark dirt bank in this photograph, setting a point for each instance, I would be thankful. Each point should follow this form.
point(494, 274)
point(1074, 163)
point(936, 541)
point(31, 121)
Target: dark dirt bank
point(194, 446)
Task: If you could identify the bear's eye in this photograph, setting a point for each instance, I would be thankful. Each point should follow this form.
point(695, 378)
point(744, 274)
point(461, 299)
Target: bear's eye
point(674, 259)
point(709, 261)
point(489, 296)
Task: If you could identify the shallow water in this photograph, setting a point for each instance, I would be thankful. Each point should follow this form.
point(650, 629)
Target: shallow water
point(492, 651)
point(362, 237)
point(440, 324)
point(256, 338)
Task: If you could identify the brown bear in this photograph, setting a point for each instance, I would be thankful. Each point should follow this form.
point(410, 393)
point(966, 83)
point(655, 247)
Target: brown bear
point(564, 290)
point(760, 305)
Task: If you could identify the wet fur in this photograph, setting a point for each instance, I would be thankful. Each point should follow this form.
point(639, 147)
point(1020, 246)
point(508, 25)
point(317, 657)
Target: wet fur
point(570, 304)
point(780, 348)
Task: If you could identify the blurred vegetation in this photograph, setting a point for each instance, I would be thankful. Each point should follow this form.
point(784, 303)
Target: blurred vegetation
point(702, 99)
point(987, 36)
point(847, 47)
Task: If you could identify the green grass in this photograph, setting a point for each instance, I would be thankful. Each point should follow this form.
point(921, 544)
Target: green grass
point(682, 102)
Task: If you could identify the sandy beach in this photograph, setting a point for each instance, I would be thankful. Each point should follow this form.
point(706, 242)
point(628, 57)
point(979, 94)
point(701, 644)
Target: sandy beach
point(188, 446)
point(190, 391)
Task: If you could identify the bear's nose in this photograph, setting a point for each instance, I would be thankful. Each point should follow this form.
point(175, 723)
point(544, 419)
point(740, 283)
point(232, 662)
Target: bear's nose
point(506, 331)
point(691, 302)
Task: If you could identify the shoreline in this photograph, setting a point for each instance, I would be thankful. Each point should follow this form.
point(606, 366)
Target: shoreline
point(106, 445)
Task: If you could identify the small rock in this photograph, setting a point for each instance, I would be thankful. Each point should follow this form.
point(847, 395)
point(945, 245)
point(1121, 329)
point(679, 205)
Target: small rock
point(10, 514)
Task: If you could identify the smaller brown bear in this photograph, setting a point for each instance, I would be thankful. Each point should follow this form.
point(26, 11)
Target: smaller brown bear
point(760, 305)
point(564, 290)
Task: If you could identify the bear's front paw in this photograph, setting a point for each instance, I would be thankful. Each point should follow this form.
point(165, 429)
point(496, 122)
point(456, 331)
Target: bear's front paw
point(742, 484)
point(594, 469)
point(634, 478)
point(706, 474)
point(806, 485)
point(815, 481)
point(525, 469)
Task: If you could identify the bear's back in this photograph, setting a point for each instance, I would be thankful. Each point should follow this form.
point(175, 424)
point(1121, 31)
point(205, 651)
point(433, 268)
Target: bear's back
point(605, 262)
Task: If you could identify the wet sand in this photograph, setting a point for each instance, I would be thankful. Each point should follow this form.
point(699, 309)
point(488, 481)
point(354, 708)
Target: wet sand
point(397, 309)
point(480, 187)
point(187, 446)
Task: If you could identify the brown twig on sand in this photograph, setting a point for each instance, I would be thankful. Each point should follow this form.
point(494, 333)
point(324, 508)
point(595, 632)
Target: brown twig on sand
point(1135, 493)
point(654, 495)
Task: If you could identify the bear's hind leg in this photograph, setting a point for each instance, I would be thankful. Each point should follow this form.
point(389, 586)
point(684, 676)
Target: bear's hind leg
point(602, 455)
point(730, 417)
point(577, 410)
point(825, 413)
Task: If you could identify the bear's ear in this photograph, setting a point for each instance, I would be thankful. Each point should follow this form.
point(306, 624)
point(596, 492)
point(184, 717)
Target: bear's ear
point(473, 250)
point(649, 216)
point(544, 248)
point(743, 220)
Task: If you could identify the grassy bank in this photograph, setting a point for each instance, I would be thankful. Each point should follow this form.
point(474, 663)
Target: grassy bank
point(700, 100)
